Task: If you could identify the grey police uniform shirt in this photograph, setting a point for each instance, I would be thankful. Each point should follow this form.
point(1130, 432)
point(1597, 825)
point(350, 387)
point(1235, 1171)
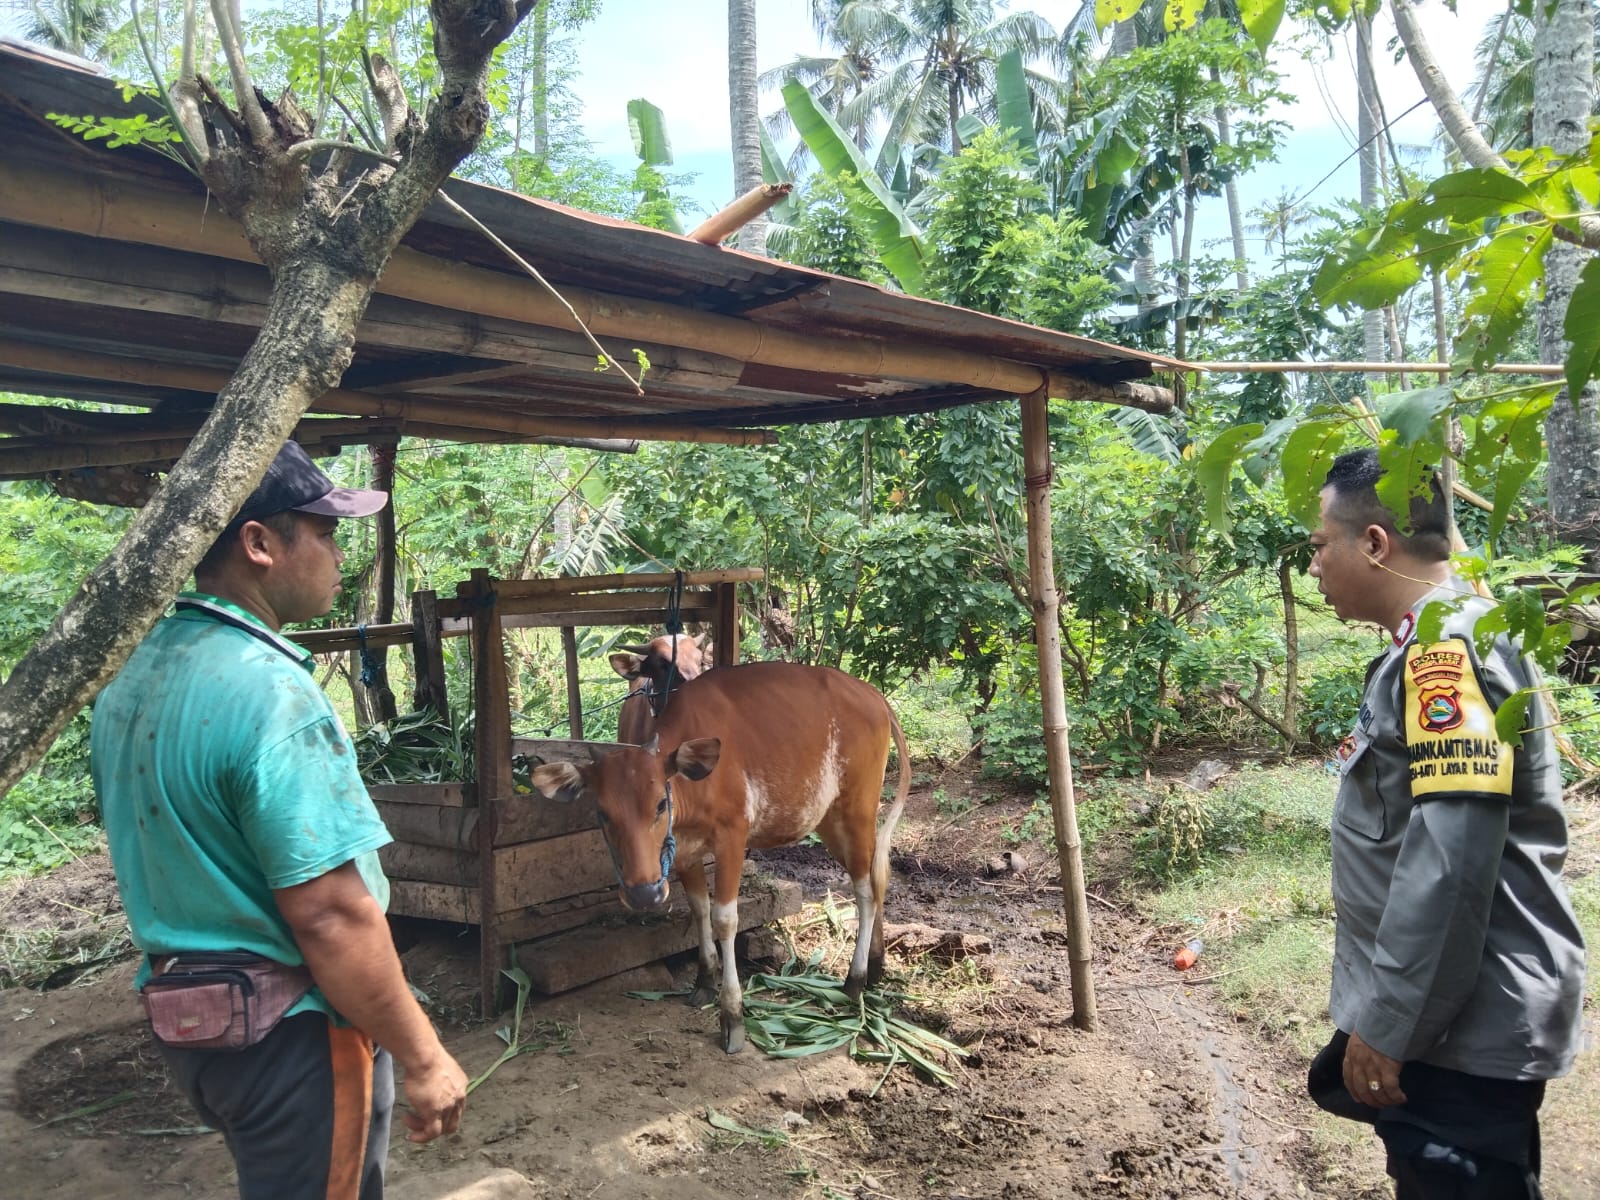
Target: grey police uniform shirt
point(1456, 943)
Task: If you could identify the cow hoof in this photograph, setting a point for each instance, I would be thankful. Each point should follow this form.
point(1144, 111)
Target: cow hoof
point(700, 997)
point(874, 973)
point(853, 987)
point(732, 1033)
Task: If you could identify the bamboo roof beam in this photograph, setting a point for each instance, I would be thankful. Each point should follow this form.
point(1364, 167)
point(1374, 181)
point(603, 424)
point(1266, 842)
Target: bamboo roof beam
point(1370, 368)
point(39, 426)
point(342, 401)
point(128, 211)
point(715, 228)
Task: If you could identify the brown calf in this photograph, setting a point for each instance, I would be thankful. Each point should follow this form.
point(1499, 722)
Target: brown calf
point(654, 671)
point(756, 755)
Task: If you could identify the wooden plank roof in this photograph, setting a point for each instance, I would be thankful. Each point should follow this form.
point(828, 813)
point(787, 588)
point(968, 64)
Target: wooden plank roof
point(118, 284)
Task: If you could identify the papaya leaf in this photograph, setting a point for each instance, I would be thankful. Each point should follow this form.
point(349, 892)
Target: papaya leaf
point(1480, 192)
point(1414, 414)
point(1370, 268)
point(1582, 329)
point(1109, 12)
point(1261, 20)
point(1506, 270)
point(1510, 717)
point(1304, 462)
point(1215, 468)
point(1407, 467)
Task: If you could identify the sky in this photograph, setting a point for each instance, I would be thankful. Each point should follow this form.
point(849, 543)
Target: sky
point(675, 56)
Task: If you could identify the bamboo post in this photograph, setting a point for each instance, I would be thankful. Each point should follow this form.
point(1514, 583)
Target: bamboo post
point(492, 710)
point(1046, 604)
point(569, 650)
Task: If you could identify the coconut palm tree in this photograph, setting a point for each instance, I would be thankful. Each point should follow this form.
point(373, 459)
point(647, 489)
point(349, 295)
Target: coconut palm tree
point(76, 26)
point(744, 114)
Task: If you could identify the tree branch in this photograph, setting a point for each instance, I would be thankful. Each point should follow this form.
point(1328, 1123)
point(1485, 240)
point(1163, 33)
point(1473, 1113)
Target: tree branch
point(244, 91)
point(1468, 139)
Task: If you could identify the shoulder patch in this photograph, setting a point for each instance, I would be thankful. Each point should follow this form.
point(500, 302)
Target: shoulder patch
point(1450, 736)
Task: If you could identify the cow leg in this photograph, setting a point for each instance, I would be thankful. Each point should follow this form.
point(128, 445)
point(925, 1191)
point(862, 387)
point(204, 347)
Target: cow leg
point(693, 877)
point(725, 924)
point(855, 854)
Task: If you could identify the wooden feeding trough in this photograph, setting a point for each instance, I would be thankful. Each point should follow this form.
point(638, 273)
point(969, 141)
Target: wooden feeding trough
point(534, 876)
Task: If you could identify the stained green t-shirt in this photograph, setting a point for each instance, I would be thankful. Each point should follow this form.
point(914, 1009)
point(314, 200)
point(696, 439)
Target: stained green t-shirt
point(223, 773)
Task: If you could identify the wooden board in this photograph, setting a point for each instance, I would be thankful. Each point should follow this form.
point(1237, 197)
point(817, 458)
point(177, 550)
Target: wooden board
point(446, 795)
point(429, 864)
point(435, 901)
point(538, 872)
point(430, 824)
point(528, 818)
point(595, 951)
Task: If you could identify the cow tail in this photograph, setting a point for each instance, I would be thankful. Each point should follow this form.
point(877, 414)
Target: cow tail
point(880, 855)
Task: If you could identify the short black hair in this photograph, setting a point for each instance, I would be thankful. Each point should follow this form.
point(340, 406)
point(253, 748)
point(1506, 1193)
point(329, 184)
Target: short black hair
point(285, 524)
point(1354, 479)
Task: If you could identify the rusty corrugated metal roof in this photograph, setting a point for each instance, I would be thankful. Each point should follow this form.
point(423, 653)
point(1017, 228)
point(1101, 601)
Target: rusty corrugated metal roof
point(73, 305)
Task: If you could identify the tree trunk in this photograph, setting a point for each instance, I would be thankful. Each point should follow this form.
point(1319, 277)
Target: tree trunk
point(1374, 344)
point(539, 79)
point(325, 258)
point(1230, 193)
point(304, 344)
point(1563, 83)
point(743, 102)
point(1291, 651)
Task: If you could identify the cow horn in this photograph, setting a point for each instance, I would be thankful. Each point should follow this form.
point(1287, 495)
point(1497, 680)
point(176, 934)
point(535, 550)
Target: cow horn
point(634, 649)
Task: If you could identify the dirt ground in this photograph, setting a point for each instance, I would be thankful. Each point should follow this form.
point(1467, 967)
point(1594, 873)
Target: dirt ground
point(1171, 1097)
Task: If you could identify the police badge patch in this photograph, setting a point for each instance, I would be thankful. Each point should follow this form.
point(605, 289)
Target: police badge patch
point(1450, 735)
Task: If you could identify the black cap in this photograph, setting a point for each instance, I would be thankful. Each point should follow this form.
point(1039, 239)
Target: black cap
point(293, 482)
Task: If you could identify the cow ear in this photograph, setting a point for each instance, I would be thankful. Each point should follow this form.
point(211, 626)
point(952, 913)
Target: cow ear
point(653, 746)
point(558, 781)
point(626, 665)
point(696, 758)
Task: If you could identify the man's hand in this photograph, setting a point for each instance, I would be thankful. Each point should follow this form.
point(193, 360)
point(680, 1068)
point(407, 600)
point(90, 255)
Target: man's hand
point(1364, 1067)
point(437, 1093)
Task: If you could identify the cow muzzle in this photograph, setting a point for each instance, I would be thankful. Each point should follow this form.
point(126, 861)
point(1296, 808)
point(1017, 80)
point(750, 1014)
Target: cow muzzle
point(641, 897)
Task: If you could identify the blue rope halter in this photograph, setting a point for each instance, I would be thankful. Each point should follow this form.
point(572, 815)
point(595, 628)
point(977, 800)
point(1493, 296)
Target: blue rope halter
point(669, 847)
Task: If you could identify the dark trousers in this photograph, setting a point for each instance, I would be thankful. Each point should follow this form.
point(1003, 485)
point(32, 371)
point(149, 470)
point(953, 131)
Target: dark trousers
point(305, 1112)
point(1457, 1136)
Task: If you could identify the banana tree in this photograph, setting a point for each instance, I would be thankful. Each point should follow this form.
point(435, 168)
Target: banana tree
point(896, 236)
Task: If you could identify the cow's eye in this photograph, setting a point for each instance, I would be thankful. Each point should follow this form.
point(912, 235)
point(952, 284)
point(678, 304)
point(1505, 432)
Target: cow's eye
point(662, 806)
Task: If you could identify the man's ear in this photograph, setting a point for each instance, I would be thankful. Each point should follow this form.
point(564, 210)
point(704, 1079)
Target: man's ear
point(1377, 544)
point(258, 542)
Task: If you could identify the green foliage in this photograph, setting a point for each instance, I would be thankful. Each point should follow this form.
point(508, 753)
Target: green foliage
point(51, 813)
point(898, 240)
point(829, 233)
point(1332, 696)
point(997, 252)
point(1281, 813)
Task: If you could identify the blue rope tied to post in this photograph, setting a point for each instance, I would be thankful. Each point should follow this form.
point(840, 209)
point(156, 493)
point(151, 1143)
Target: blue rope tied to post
point(674, 621)
point(369, 661)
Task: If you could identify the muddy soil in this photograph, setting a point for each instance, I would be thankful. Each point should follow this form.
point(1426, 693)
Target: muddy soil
point(1171, 1097)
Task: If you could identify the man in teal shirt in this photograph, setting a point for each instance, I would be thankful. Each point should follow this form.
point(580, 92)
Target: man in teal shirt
point(237, 822)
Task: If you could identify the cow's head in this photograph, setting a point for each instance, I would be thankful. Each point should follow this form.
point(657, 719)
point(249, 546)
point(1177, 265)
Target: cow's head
point(632, 791)
point(654, 664)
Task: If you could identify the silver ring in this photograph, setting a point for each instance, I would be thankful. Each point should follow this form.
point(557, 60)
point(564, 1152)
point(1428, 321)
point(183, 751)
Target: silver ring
point(1375, 1085)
